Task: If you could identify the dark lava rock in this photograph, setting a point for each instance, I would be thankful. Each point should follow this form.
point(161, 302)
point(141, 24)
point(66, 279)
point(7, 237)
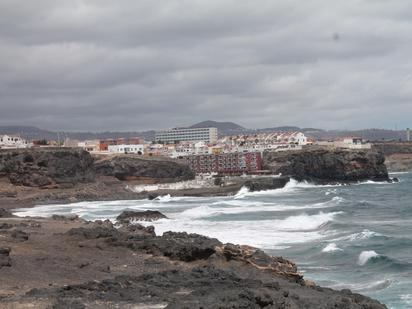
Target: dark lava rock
point(266, 183)
point(5, 226)
point(70, 217)
point(148, 215)
point(5, 213)
point(93, 232)
point(181, 246)
point(327, 165)
point(5, 259)
point(19, 235)
point(133, 167)
point(44, 167)
point(201, 287)
point(138, 229)
point(152, 196)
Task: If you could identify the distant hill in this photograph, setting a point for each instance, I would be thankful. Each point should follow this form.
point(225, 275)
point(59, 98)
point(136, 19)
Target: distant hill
point(28, 132)
point(223, 128)
point(33, 133)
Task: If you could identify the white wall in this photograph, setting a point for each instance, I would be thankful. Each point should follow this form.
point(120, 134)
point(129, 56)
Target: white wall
point(139, 149)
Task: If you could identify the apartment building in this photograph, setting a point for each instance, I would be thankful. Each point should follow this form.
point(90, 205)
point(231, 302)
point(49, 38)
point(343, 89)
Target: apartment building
point(225, 163)
point(207, 135)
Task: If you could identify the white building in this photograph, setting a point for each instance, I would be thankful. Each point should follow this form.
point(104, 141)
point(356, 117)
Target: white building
point(208, 135)
point(90, 145)
point(348, 142)
point(8, 141)
point(137, 149)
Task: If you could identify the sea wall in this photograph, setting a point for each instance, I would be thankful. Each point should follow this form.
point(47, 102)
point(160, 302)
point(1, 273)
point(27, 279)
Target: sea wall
point(327, 165)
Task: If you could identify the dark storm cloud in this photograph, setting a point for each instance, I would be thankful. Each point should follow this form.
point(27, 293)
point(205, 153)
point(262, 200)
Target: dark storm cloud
point(132, 65)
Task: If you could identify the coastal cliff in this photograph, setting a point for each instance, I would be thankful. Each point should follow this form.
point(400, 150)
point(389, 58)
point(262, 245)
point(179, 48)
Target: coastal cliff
point(327, 165)
point(134, 167)
point(46, 167)
point(62, 175)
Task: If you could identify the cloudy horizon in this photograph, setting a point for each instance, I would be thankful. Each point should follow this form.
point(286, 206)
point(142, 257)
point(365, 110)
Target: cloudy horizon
point(126, 65)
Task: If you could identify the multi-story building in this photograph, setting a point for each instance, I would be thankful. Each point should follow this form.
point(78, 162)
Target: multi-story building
point(207, 135)
point(225, 163)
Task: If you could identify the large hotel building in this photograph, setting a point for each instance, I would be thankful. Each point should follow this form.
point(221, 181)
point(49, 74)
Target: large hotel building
point(208, 135)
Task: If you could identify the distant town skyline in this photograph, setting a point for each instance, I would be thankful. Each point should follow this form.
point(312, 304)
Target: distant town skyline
point(138, 65)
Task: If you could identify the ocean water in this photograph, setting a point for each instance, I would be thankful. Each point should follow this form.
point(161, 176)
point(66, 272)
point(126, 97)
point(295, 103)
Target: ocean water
point(357, 236)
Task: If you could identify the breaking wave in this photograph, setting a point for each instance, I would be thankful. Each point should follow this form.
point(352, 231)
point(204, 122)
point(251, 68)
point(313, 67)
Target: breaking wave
point(331, 248)
point(366, 256)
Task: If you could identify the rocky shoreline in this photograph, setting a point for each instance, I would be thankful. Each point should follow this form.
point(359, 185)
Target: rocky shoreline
point(44, 176)
point(67, 262)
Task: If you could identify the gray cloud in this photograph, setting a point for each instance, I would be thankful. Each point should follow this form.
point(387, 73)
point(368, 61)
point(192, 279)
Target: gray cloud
point(134, 65)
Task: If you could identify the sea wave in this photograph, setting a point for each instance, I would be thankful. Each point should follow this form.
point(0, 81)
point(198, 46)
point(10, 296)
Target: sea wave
point(363, 235)
point(365, 286)
point(366, 256)
point(292, 186)
point(332, 247)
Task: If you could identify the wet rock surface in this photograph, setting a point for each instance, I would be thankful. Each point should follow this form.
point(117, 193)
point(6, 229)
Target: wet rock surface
point(148, 215)
point(328, 165)
point(266, 183)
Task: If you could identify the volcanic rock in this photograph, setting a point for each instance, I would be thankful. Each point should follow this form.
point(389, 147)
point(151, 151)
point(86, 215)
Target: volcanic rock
point(181, 246)
point(129, 167)
point(43, 167)
point(327, 165)
point(266, 183)
point(5, 259)
point(4, 213)
point(148, 215)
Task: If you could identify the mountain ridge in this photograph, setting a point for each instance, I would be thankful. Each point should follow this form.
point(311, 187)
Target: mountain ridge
point(224, 128)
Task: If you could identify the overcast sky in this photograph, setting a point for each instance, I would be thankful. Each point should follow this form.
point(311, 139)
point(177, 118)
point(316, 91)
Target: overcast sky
point(134, 65)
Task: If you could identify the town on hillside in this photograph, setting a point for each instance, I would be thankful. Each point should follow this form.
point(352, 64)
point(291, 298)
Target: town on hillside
point(200, 148)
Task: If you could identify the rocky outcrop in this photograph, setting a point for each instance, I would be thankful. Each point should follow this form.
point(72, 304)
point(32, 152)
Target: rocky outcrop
point(132, 167)
point(200, 287)
point(46, 167)
point(4, 213)
point(266, 183)
point(81, 264)
point(148, 215)
point(326, 165)
point(5, 259)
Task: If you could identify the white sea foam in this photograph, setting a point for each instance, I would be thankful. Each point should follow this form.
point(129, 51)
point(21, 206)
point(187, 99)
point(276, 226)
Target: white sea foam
point(364, 286)
point(365, 234)
point(365, 256)
point(332, 247)
point(291, 187)
point(189, 184)
point(268, 234)
point(407, 298)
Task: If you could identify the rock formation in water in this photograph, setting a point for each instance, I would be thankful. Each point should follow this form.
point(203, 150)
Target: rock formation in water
point(326, 165)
